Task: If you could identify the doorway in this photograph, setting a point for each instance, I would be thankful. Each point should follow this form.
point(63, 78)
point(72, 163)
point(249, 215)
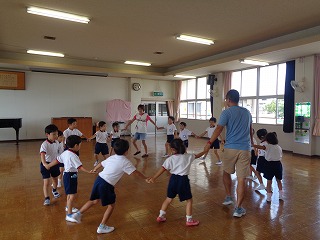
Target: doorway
point(158, 113)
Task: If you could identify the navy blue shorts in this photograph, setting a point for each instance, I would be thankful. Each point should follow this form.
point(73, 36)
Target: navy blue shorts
point(170, 138)
point(273, 169)
point(186, 143)
point(179, 185)
point(113, 141)
point(70, 182)
point(215, 144)
point(104, 191)
point(53, 171)
point(261, 164)
point(253, 158)
point(101, 148)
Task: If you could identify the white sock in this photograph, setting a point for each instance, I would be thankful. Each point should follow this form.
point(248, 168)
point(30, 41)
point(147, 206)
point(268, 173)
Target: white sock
point(188, 218)
point(162, 213)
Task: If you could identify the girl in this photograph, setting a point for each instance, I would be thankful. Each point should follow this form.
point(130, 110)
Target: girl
point(273, 167)
point(261, 162)
point(179, 166)
point(114, 135)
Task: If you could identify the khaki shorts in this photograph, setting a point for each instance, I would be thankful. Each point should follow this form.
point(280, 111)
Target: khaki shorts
point(236, 161)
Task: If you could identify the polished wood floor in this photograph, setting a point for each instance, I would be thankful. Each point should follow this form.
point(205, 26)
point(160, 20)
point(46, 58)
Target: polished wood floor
point(23, 215)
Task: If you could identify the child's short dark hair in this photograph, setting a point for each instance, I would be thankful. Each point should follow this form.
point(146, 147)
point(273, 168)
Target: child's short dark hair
point(71, 120)
point(60, 133)
point(271, 138)
point(120, 146)
point(183, 124)
point(101, 124)
point(73, 140)
point(141, 106)
point(213, 119)
point(177, 144)
point(171, 117)
point(261, 133)
point(115, 124)
point(51, 128)
point(233, 95)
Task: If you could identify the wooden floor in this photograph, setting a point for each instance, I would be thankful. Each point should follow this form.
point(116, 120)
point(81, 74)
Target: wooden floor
point(23, 215)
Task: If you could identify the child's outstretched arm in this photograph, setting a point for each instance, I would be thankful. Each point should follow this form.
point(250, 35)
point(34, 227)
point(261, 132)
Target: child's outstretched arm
point(153, 122)
point(53, 163)
point(83, 169)
point(260, 147)
point(201, 135)
point(200, 154)
point(92, 137)
point(152, 179)
point(129, 123)
point(139, 174)
point(94, 170)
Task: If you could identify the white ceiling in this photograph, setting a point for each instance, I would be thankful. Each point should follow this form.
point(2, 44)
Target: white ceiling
point(122, 30)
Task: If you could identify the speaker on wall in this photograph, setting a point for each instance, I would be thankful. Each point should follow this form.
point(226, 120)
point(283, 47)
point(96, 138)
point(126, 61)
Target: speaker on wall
point(211, 79)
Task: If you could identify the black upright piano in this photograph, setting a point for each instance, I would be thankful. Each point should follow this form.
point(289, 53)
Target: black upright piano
point(15, 123)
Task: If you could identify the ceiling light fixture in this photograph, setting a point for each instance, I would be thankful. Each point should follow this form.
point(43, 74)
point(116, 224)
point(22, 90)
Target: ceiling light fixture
point(184, 76)
point(194, 39)
point(57, 14)
point(52, 54)
point(138, 63)
point(254, 62)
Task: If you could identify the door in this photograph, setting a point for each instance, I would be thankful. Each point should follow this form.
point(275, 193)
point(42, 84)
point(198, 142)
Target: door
point(158, 113)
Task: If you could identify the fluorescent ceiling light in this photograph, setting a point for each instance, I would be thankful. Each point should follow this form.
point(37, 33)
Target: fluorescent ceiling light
point(57, 14)
point(253, 62)
point(137, 63)
point(53, 54)
point(183, 76)
point(195, 39)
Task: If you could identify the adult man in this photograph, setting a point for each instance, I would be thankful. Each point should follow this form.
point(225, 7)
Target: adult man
point(238, 123)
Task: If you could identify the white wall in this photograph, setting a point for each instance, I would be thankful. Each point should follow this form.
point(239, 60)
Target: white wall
point(56, 95)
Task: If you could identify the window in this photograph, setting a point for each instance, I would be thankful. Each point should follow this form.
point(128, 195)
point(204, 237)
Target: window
point(195, 99)
point(262, 92)
point(162, 109)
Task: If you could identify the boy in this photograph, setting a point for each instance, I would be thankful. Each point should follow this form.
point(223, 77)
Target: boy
point(216, 144)
point(61, 149)
point(142, 119)
point(48, 153)
point(103, 189)
point(184, 134)
point(72, 130)
point(72, 164)
point(101, 142)
point(171, 134)
point(114, 135)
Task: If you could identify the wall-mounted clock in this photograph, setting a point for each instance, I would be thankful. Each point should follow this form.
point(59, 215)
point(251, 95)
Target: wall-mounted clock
point(136, 86)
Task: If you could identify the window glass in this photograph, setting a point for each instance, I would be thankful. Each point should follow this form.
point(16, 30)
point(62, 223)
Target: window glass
point(183, 110)
point(208, 109)
point(249, 82)
point(267, 110)
point(202, 92)
point(191, 110)
point(201, 110)
point(251, 105)
point(280, 111)
point(162, 111)
point(268, 80)
point(281, 78)
point(191, 89)
point(183, 95)
point(236, 81)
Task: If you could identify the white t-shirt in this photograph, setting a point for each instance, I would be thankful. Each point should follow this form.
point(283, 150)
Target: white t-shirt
point(68, 132)
point(261, 152)
point(273, 152)
point(210, 131)
point(184, 134)
point(254, 143)
point(101, 137)
point(171, 128)
point(115, 134)
point(61, 148)
point(142, 122)
point(51, 150)
point(70, 160)
point(114, 167)
point(179, 164)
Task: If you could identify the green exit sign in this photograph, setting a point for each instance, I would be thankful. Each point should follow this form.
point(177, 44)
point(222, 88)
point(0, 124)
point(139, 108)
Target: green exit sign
point(157, 94)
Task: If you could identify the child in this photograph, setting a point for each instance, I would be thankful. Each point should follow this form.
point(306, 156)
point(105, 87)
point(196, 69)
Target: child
point(48, 153)
point(101, 142)
point(103, 189)
point(142, 119)
point(261, 162)
point(60, 150)
point(171, 134)
point(179, 166)
point(114, 135)
point(273, 167)
point(72, 164)
point(72, 130)
point(254, 154)
point(216, 144)
point(184, 134)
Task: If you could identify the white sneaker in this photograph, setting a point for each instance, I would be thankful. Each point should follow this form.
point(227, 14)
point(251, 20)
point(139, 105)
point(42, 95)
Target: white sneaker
point(219, 162)
point(269, 197)
point(96, 163)
point(59, 183)
point(46, 202)
point(166, 155)
point(71, 218)
point(254, 178)
point(104, 229)
point(74, 210)
point(260, 187)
